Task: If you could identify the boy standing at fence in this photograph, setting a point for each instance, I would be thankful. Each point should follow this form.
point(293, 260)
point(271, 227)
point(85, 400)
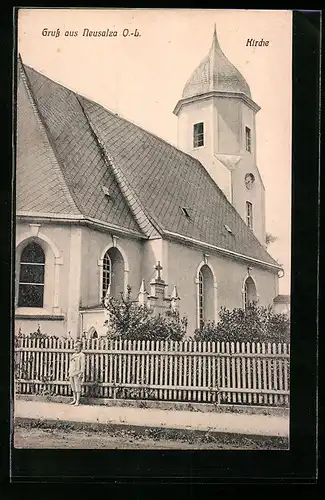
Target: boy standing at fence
point(77, 372)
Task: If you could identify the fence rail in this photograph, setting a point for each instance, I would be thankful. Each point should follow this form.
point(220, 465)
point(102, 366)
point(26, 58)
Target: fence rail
point(214, 372)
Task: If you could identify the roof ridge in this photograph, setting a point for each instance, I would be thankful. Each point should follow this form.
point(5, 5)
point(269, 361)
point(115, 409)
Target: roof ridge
point(56, 163)
point(150, 228)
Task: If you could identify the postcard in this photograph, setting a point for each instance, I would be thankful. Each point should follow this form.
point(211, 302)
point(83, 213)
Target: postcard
point(153, 223)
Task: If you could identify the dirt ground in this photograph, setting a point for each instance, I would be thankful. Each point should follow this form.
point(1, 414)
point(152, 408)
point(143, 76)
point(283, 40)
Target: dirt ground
point(80, 439)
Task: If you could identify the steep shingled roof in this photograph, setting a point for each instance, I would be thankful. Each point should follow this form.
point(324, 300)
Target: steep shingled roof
point(150, 180)
point(40, 185)
point(79, 160)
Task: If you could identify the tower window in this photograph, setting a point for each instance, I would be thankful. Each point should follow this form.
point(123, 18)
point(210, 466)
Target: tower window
point(31, 276)
point(248, 136)
point(198, 135)
point(249, 214)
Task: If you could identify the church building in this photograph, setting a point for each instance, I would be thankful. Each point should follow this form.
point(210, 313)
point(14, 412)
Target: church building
point(102, 204)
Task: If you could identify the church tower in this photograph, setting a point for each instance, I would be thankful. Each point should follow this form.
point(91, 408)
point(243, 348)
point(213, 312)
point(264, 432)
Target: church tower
point(216, 125)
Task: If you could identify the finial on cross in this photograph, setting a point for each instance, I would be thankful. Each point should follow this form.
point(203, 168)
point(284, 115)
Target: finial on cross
point(158, 268)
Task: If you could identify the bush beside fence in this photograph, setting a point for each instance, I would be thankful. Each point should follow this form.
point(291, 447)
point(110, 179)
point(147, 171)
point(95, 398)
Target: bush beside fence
point(211, 372)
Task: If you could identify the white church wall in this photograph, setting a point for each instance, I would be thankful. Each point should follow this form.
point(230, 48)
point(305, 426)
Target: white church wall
point(93, 247)
point(183, 262)
point(93, 320)
point(203, 111)
point(52, 326)
point(248, 120)
point(75, 270)
point(227, 112)
point(189, 114)
point(155, 251)
point(255, 195)
point(55, 241)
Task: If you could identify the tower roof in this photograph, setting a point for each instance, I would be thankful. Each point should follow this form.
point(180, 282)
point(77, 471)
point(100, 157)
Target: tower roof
point(215, 73)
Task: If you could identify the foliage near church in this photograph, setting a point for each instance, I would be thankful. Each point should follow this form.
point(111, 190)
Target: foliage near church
point(129, 320)
point(253, 324)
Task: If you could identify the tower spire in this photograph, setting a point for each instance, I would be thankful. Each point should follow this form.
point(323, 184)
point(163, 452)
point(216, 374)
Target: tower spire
point(215, 41)
point(213, 59)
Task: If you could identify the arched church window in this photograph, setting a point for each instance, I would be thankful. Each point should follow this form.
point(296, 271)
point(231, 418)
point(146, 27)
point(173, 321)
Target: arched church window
point(31, 276)
point(113, 273)
point(250, 295)
point(107, 271)
point(92, 333)
point(198, 135)
point(206, 306)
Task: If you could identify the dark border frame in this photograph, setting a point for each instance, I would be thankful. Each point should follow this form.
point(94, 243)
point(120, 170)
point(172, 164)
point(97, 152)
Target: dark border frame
point(299, 465)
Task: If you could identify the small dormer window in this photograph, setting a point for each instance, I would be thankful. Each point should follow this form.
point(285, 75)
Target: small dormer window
point(186, 212)
point(106, 191)
point(248, 136)
point(198, 135)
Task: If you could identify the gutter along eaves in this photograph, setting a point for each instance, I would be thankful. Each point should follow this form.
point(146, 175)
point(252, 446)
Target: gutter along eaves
point(77, 219)
point(223, 251)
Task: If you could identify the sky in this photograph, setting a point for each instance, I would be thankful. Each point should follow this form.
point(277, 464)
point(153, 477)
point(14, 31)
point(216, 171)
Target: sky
point(142, 77)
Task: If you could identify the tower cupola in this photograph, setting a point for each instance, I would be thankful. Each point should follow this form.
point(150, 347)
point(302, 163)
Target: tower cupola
point(215, 73)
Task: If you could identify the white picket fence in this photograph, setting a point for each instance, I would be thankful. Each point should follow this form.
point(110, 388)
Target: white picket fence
point(211, 372)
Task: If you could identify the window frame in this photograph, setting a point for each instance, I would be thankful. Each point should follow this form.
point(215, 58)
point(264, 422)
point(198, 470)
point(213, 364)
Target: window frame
point(31, 264)
point(206, 293)
point(246, 304)
point(201, 299)
point(105, 272)
point(198, 136)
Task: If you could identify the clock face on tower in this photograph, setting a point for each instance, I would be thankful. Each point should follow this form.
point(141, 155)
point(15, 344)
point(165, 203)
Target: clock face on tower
point(249, 180)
